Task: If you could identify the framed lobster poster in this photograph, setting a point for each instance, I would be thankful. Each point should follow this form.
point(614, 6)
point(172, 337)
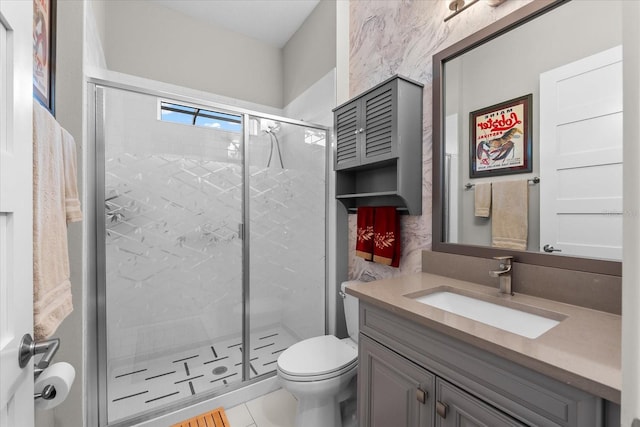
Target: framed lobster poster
point(501, 139)
point(44, 52)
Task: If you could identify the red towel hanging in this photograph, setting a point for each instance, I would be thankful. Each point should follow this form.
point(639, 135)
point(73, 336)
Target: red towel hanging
point(386, 237)
point(364, 243)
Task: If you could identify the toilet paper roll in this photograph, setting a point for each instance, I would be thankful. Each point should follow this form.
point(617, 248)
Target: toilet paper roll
point(61, 376)
point(353, 282)
point(349, 283)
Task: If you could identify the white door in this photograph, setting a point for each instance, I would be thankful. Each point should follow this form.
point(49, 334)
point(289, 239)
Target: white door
point(16, 287)
point(581, 157)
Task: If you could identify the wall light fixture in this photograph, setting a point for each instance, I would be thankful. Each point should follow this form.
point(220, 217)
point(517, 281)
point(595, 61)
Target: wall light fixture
point(457, 6)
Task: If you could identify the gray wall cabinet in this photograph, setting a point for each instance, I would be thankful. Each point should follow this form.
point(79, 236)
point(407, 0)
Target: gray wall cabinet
point(403, 364)
point(378, 158)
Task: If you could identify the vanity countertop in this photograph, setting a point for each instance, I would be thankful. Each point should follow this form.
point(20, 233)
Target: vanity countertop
point(584, 350)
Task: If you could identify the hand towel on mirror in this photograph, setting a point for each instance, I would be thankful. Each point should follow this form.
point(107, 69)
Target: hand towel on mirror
point(510, 214)
point(483, 199)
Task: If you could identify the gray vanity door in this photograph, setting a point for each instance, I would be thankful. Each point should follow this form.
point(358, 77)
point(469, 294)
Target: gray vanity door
point(456, 408)
point(392, 391)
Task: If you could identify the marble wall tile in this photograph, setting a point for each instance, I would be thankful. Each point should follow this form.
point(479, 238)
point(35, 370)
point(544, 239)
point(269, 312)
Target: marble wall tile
point(400, 37)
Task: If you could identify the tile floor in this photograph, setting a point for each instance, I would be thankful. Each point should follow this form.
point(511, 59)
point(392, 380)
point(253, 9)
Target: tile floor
point(152, 383)
point(277, 409)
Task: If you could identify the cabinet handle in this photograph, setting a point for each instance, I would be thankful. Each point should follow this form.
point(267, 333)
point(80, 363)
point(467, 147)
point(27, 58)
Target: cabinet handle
point(361, 130)
point(421, 395)
point(355, 132)
point(441, 409)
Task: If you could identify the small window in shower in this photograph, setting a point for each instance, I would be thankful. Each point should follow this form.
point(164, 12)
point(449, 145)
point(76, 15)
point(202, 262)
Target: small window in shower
point(195, 116)
point(315, 137)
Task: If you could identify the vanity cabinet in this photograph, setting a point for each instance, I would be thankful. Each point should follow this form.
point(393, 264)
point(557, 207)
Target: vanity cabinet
point(394, 391)
point(378, 157)
point(403, 364)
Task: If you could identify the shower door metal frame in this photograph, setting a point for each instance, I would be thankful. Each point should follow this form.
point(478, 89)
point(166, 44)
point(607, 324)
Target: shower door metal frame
point(96, 367)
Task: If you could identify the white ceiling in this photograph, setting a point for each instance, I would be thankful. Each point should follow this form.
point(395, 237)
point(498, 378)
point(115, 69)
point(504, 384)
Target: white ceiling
point(271, 21)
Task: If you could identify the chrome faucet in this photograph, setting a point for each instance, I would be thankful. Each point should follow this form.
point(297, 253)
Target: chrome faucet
point(504, 274)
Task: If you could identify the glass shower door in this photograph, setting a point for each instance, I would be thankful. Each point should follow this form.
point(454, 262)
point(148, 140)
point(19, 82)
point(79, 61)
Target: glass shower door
point(287, 195)
point(173, 205)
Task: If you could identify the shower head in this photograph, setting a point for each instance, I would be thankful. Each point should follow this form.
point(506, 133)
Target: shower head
point(269, 126)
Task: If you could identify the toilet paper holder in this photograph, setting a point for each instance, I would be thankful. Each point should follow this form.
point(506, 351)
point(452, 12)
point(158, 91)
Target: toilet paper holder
point(29, 348)
point(48, 393)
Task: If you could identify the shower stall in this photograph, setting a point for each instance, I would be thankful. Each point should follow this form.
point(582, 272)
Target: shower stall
point(211, 230)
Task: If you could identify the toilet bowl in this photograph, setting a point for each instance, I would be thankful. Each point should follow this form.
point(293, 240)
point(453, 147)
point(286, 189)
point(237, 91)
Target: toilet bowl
point(319, 371)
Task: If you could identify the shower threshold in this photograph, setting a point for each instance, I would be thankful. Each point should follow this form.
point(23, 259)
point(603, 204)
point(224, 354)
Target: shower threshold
point(143, 385)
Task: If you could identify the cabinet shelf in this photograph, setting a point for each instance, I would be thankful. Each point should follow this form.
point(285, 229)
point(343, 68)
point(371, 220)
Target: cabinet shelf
point(375, 194)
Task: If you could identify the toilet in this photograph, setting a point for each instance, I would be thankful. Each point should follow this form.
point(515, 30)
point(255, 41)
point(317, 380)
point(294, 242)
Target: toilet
point(319, 371)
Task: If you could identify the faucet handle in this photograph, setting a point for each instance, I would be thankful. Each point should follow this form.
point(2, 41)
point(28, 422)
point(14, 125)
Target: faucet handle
point(505, 261)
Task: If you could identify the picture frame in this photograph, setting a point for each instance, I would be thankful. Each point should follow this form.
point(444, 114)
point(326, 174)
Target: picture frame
point(500, 138)
point(44, 52)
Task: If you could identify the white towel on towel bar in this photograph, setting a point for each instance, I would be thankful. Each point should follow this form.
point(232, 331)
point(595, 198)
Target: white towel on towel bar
point(54, 189)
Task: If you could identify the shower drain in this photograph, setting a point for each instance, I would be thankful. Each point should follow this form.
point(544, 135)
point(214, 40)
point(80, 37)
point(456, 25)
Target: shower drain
point(219, 370)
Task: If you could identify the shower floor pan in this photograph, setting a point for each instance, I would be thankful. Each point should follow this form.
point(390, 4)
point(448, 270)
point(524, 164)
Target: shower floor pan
point(144, 385)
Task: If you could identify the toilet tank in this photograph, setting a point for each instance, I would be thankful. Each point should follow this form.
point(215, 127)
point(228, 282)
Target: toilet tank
point(350, 311)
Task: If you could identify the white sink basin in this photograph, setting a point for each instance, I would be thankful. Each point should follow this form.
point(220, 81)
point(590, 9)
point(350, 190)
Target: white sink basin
point(509, 319)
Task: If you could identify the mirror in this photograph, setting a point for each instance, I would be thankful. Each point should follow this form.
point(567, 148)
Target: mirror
point(537, 98)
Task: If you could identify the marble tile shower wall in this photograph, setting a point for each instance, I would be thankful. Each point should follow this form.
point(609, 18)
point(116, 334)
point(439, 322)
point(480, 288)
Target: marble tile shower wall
point(388, 38)
point(174, 260)
point(174, 255)
point(287, 233)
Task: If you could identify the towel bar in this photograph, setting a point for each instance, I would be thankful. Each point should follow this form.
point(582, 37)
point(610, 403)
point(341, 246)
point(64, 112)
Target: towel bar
point(534, 180)
point(399, 209)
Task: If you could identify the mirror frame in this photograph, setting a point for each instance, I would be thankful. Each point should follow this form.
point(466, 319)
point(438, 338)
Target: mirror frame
point(498, 28)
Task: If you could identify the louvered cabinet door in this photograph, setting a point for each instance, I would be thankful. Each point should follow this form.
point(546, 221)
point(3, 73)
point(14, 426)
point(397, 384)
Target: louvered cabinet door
point(346, 121)
point(378, 138)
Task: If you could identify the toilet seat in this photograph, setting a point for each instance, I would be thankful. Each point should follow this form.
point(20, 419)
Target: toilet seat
point(316, 359)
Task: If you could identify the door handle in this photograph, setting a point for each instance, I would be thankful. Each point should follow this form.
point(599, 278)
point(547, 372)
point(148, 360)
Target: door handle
point(549, 248)
point(29, 348)
point(441, 409)
point(421, 395)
